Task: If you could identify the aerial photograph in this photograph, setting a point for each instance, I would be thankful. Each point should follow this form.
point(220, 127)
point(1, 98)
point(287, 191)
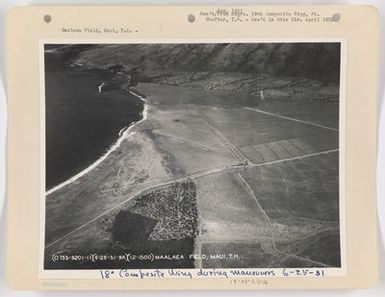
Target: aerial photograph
point(192, 155)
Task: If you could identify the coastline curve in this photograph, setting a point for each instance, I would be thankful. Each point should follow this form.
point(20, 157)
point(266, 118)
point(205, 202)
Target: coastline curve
point(127, 133)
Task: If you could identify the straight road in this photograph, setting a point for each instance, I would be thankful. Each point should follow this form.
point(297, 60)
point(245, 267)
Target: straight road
point(198, 174)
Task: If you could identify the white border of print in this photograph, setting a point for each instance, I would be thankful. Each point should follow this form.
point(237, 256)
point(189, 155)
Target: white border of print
point(220, 273)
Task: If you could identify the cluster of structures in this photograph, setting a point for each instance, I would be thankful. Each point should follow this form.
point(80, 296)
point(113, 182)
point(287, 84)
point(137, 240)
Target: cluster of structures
point(121, 79)
point(174, 207)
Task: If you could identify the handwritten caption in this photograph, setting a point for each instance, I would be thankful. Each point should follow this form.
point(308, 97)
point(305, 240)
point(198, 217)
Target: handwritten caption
point(135, 259)
point(209, 273)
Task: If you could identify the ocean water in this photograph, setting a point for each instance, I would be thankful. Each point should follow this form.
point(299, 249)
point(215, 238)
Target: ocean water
point(80, 123)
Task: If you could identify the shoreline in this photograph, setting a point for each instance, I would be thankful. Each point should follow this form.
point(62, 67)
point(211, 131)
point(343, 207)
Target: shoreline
point(125, 134)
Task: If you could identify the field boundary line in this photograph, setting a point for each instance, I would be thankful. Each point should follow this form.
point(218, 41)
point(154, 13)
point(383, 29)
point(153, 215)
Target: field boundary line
point(291, 119)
